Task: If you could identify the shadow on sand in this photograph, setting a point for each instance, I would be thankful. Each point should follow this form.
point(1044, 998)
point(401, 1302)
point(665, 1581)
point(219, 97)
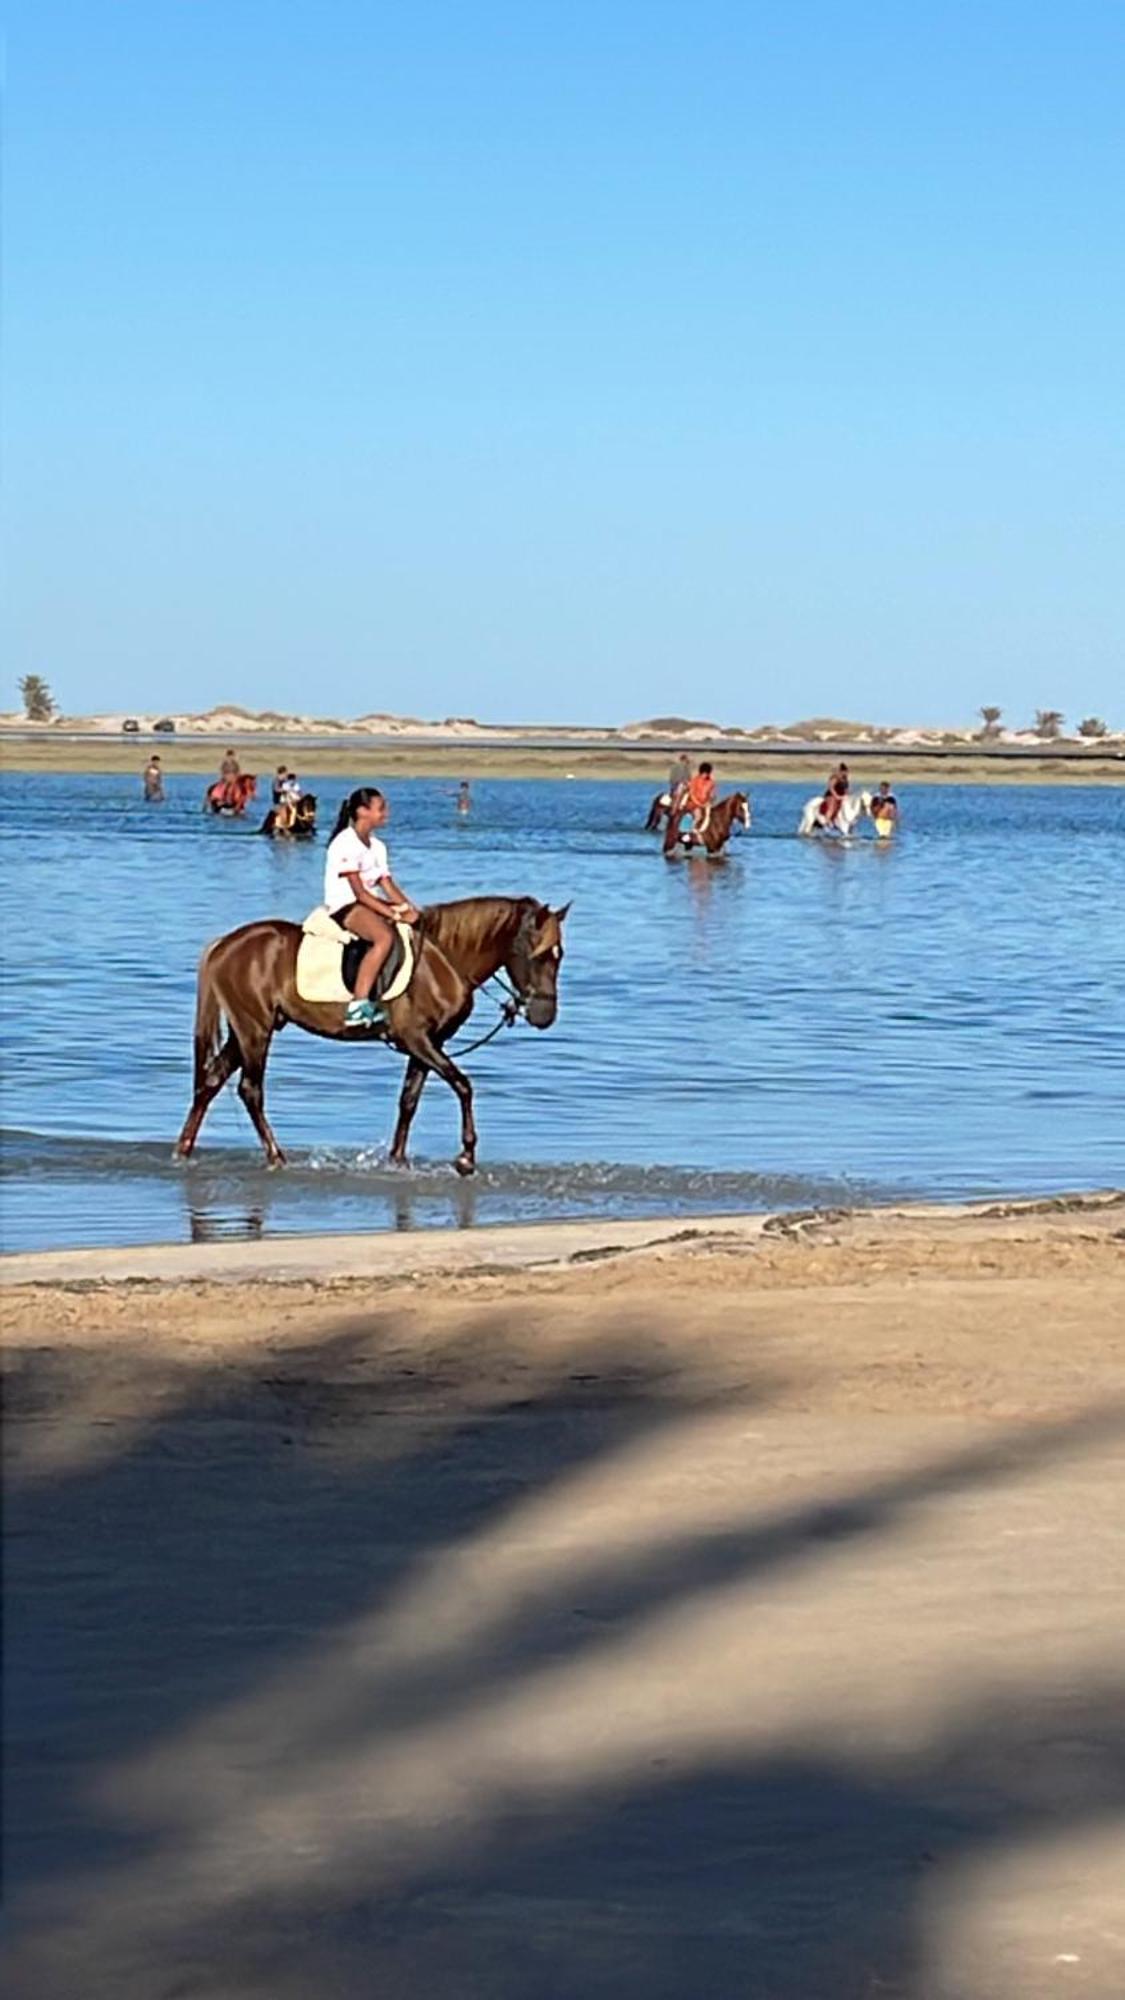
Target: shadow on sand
point(322, 1679)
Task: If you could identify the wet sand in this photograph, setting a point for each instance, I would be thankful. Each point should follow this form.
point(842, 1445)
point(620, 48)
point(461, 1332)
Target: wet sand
point(737, 1610)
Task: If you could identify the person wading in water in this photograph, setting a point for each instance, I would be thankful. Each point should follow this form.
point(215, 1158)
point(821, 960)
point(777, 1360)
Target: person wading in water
point(154, 780)
point(360, 892)
point(884, 811)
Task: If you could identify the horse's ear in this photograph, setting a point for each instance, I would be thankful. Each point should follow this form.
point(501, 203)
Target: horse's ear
point(562, 914)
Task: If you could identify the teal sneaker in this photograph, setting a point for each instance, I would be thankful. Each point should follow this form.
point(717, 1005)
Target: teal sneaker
point(361, 1014)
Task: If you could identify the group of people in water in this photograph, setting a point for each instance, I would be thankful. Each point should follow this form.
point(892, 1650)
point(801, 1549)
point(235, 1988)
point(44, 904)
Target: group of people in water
point(693, 793)
point(289, 805)
point(690, 793)
point(361, 894)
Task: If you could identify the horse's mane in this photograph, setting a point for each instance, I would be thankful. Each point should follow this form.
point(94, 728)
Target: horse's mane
point(470, 920)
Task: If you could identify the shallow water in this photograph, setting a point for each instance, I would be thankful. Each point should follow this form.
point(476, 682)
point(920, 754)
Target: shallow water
point(801, 1022)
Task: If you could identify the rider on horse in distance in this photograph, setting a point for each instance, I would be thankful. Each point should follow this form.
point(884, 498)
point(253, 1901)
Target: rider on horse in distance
point(836, 791)
point(697, 798)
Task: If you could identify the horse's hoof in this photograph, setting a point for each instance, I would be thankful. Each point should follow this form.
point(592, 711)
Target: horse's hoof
point(465, 1165)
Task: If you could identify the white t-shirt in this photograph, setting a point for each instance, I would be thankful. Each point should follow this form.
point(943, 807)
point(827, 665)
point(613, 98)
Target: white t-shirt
point(349, 855)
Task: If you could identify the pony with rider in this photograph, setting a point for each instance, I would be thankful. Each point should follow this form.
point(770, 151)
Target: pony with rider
point(292, 815)
point(838, 810)
point(232, 790)
point(693, 795)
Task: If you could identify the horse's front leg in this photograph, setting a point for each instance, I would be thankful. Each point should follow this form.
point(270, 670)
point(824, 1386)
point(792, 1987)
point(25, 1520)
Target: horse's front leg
point(435, 1059)
point(416, 1074)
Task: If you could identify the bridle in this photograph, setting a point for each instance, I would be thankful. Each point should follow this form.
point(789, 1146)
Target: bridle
point(514, 1003)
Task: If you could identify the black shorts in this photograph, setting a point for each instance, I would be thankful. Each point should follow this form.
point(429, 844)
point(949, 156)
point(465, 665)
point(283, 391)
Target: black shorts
point(345, 910)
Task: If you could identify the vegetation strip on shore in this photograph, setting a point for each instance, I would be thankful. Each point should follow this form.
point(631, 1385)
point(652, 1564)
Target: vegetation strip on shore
point(198, 757)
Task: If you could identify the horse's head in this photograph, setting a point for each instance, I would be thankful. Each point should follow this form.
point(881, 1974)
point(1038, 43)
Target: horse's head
point(249, 784)
point(864, 804)
point(741, 812)
point(534, 960)
point(306, 809)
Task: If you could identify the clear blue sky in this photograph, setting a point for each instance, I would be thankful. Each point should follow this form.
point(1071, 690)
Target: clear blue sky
point(575, 361)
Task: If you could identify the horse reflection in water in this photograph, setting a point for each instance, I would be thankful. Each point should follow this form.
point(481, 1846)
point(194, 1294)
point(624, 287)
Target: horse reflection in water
point(216, 1213)
point(225, 1222)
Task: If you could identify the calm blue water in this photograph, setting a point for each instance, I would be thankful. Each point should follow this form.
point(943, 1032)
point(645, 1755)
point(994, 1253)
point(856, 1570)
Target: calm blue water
point(799, 1023)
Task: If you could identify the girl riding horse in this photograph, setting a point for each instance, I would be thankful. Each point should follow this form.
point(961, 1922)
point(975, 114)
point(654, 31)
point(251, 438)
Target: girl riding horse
point(361, 894)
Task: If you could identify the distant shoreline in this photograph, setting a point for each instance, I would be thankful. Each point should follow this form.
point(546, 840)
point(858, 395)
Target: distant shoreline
point(547, 755)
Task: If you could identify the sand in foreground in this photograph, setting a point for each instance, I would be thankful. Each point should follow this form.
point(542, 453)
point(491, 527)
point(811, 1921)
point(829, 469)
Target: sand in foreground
point(730, 1618)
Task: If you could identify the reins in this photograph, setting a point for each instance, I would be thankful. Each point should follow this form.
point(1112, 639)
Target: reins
point(509, 1014)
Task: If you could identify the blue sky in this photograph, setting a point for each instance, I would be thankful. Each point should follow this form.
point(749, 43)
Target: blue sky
point(566, 362)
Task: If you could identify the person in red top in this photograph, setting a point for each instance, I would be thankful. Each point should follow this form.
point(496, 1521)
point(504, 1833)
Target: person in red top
point(700, 797)
point(835, 794)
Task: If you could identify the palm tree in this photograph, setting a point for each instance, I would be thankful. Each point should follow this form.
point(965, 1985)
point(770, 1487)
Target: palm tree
point(1092, 726)
point(38, 701)
point(991, 720)
point(1048, 723)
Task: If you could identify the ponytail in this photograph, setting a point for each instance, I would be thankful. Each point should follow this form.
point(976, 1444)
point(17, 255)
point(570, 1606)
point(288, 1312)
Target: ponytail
point(365, 795)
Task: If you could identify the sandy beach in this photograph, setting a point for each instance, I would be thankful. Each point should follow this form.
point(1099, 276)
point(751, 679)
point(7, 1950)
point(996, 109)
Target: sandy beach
point(595, 1609)
point(396, 746)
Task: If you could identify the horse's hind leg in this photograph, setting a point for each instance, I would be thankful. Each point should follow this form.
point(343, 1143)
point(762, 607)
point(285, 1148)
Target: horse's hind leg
point(251, 1089)
point(210, 1077)
point(416, 1074)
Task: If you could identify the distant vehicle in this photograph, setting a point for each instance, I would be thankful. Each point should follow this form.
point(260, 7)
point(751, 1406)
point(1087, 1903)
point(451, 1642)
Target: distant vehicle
point(166, 726)
point(131, 726)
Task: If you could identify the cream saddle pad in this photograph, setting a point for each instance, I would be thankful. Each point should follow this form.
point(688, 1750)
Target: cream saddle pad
point(321, 951)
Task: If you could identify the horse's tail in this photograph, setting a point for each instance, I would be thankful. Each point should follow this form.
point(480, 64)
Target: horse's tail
point(208, 1020)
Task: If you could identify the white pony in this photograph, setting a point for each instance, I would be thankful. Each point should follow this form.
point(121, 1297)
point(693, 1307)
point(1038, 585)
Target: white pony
point(853, 808)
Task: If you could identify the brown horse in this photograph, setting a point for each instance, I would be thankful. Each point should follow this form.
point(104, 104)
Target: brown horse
point(726, 814)
point(249, 980)
point(230, 795)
